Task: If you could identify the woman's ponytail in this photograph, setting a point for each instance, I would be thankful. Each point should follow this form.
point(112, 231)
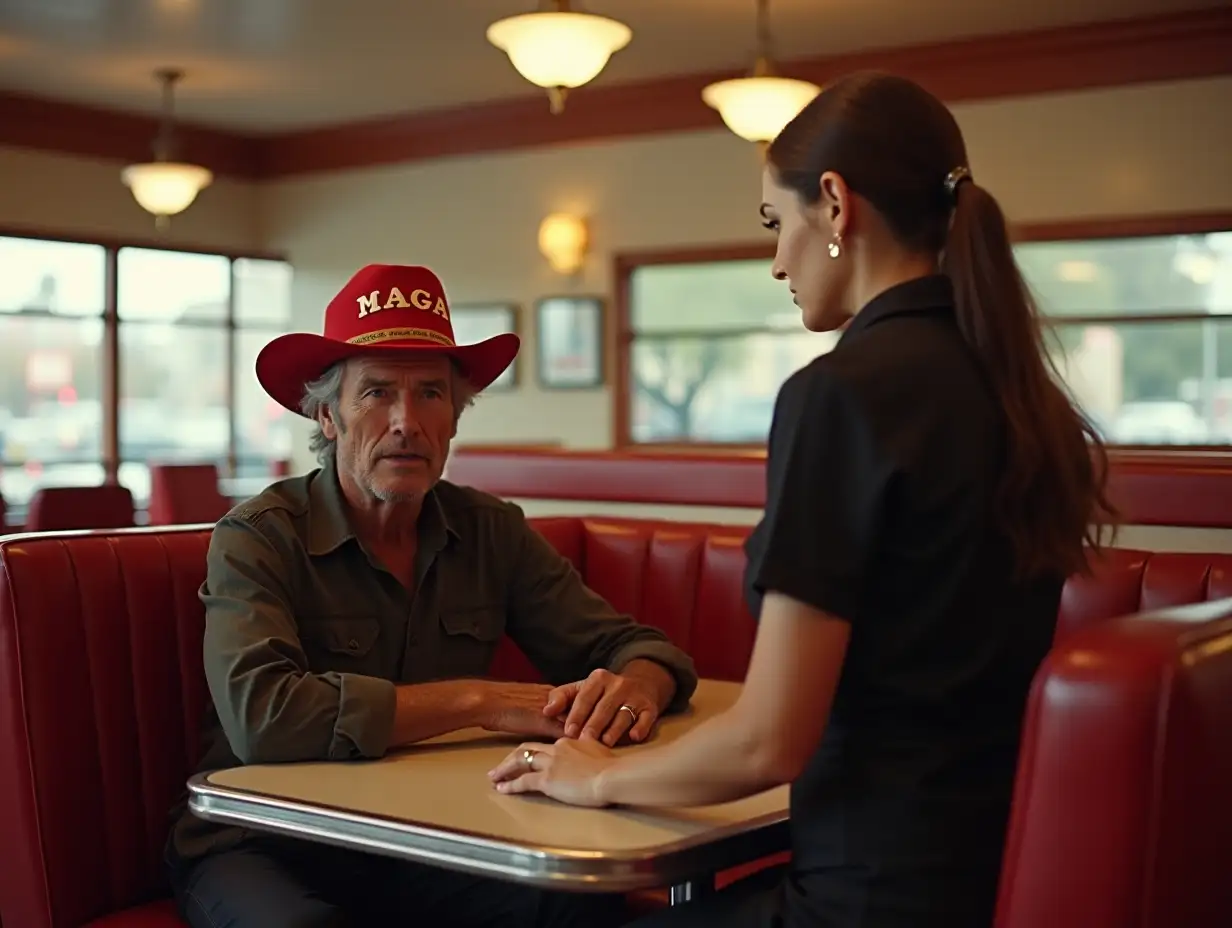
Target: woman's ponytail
point(1052, 500)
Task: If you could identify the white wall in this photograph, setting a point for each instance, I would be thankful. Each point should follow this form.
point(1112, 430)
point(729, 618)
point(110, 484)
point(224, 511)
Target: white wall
point(67, 195)
point(1121, 152)
point(1149, 149)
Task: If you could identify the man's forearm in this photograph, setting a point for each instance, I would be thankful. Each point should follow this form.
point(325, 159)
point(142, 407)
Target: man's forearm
point(425, 710)
point(660, 680)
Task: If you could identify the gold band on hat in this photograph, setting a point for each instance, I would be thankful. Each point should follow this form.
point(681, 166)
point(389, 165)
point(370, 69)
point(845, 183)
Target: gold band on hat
point(390, 335)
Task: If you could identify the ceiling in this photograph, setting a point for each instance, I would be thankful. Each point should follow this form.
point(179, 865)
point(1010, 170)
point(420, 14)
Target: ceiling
point(275, 65)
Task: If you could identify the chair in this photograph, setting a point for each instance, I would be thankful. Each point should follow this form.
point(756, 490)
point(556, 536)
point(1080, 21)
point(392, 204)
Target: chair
point(185, 494)
point(58, 509)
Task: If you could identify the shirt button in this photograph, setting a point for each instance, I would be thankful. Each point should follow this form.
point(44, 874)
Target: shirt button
point(353, 645)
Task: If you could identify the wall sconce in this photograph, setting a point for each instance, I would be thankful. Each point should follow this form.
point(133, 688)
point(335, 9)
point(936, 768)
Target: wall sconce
point(563, 240)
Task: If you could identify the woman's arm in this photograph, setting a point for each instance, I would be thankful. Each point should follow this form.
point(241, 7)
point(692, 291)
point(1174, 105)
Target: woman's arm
point(766, 738)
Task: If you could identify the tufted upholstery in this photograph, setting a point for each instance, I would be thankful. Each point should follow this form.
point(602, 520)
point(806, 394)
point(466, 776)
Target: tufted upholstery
point(55, 509)
point(101, 690)
point(101, 695)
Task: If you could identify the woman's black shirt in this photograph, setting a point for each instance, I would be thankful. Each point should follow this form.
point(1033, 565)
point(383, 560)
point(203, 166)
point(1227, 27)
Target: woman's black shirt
point(884, 461)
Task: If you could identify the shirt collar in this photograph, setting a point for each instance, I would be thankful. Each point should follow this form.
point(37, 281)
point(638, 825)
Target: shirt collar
point(329, 527)
point(920, 295)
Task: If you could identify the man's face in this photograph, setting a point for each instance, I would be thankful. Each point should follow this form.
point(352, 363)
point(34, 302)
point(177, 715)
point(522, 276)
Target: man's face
point(395, 421)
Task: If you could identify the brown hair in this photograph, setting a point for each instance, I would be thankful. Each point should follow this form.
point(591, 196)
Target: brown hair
point(900, 148)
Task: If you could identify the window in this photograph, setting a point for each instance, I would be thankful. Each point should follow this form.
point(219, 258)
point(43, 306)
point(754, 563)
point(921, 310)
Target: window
point(171, 334)
point(711, 344)
point(1141, 328)
point(1142, 332)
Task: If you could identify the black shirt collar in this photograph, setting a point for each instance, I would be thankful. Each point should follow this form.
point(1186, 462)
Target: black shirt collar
point(921, 295)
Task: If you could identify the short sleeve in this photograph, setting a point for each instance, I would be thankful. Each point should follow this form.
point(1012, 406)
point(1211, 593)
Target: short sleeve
point(826, 484)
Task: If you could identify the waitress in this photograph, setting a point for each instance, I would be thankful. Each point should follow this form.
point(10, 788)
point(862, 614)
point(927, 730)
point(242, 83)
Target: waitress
point(929, 488)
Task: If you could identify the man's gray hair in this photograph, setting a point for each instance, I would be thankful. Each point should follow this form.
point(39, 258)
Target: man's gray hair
point(326, 393)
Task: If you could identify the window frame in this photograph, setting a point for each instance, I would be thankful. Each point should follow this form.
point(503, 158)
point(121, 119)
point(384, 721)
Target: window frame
point(112, 323)
point(625, 264)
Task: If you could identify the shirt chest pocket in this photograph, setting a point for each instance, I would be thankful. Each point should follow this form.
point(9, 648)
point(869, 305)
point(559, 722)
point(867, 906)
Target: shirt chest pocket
point(470, 634)
point(340, 644)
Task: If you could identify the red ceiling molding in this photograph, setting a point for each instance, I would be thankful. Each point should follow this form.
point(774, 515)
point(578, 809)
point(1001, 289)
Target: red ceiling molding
point(1174, 47)
point(71, 129)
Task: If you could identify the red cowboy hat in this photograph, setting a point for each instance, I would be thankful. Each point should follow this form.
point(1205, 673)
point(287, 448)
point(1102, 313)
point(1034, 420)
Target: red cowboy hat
point(383, 309)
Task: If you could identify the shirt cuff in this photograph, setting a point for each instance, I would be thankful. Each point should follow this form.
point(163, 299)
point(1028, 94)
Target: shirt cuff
point(670, 658)
point(365, 723)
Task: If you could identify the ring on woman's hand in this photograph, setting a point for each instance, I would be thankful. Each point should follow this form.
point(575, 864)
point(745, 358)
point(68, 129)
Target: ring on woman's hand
point(632, 713)
point(528, 757)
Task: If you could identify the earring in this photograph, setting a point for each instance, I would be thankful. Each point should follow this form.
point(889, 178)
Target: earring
point(836, 246)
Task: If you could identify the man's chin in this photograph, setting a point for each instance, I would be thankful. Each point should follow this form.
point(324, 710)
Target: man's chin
point(401, 493)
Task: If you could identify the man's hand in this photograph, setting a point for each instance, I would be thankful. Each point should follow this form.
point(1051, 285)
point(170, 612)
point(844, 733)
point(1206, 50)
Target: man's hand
point(597, 705)
point(520, 709)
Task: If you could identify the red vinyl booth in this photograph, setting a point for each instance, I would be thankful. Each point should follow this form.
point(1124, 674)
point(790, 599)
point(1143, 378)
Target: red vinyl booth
point(56, 509)
point(1122, 815)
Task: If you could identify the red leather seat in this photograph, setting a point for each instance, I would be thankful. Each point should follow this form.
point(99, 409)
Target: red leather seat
point(56, 509)
point(1123, 807)
point(101, 690)
point(101, 695)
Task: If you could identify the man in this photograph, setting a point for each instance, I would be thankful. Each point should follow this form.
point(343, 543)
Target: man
point(357, 609)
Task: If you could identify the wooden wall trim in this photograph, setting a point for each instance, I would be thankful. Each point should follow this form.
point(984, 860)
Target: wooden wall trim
point(1180, 46)
point(93, 132)
point(1165, 488)
point(115, 243)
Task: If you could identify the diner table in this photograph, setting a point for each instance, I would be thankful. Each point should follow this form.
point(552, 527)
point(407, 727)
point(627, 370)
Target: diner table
point(433, 803)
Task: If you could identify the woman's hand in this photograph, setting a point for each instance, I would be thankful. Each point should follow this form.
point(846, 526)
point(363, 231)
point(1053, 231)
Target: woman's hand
point(569, 770)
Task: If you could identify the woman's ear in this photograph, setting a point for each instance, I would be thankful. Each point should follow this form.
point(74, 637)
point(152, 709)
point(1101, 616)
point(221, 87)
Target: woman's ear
point(835, 204)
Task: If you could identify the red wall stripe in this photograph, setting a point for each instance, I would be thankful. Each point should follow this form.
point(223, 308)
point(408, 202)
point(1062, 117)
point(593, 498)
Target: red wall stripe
point(1191, 490)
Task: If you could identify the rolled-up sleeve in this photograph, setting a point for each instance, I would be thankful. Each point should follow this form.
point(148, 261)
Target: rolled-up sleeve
point(272, 707)
point(567, 630)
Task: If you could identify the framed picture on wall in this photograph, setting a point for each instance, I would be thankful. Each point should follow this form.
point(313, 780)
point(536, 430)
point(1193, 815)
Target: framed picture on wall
point(477, 321)
point(569, 336)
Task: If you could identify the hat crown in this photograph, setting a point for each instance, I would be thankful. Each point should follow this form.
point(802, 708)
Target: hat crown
point(390, 303)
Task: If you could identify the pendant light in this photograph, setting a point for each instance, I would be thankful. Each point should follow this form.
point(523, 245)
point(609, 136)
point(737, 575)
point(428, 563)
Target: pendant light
point(166, 187)
point(558, 48)
point(757, 107)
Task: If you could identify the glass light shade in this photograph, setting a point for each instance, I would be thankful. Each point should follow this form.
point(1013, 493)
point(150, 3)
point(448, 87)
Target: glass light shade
point(757, 108)
point(166, 188)
point(562, 240)
point(559, 49)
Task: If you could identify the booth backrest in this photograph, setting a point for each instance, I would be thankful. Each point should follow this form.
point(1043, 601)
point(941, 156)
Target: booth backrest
point(1123, 799)
point(57, 509)
point(101, 686)
point(101, 696)
point(687, 579)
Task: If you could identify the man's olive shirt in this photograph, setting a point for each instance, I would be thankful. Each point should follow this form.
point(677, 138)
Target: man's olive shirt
point(306, 634)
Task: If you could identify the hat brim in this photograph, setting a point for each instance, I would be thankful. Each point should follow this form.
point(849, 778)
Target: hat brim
point(290, 361)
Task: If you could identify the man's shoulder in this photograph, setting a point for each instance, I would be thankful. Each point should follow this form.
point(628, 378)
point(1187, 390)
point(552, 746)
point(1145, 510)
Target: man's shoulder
point(278, 512)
